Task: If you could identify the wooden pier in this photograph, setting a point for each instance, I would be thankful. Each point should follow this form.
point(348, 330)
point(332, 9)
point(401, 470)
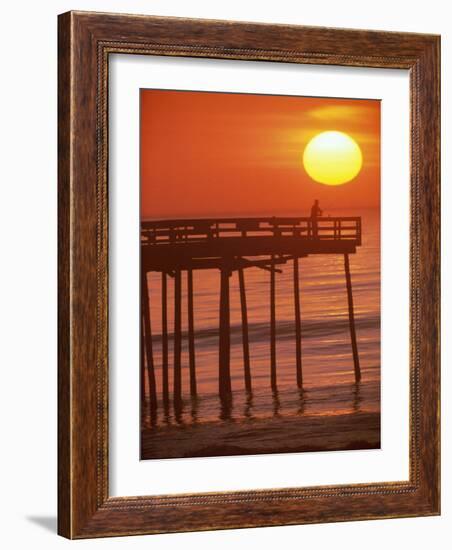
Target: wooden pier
point(175, 247)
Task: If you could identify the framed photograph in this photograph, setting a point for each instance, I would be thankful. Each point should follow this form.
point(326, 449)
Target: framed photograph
point(248, 275)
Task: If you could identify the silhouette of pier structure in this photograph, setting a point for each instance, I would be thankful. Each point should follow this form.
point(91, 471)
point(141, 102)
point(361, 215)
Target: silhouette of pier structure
point(229, 245)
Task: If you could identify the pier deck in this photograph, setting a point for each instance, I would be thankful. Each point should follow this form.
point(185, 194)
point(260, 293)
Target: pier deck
point(204, 244)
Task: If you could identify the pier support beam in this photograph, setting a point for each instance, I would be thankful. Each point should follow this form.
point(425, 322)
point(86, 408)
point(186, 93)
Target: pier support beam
point(142, 370)
point(177, 336)
point(296, 291)
point(351, 317)
point(273, 325)
point(147, 341)
point(191, 333)
point(245, 337)
point(165, 385)
point(224, 374)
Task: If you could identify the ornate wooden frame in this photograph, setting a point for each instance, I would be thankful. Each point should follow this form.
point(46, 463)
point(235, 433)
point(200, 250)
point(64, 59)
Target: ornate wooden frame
point(85, 41)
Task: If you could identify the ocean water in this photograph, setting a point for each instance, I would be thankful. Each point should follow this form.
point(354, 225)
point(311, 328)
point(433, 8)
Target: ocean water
point(329, 387)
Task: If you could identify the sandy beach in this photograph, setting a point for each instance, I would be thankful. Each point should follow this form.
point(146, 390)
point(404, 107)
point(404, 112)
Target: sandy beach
point(257, 436)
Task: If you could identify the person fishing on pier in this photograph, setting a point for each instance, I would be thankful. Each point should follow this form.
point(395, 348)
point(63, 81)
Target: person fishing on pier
point(315, 213)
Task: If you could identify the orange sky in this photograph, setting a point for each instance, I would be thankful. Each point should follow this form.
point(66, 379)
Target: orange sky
point(217, 154)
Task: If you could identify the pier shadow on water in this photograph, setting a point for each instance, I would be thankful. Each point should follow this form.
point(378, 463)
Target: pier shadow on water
point(248, 406)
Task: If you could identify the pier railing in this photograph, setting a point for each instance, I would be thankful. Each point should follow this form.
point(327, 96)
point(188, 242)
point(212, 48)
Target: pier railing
point(195, 230)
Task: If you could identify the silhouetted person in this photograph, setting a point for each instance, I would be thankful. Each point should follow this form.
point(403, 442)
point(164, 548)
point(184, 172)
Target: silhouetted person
point(315, 213)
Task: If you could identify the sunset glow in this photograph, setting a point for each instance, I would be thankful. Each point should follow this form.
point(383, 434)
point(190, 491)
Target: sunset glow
point(207, 154)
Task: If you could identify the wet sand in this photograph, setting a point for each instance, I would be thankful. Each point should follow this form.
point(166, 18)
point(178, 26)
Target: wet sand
point(259, 436)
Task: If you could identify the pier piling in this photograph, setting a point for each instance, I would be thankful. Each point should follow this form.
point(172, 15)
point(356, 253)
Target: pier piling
point(296, 290)
point(224, 375)
point(273, 325)
point(142, 370)
point(148, 340)
point(191, 332)
point(351, 317)
point(245, 336)
point(177, 336)
point(165, 384)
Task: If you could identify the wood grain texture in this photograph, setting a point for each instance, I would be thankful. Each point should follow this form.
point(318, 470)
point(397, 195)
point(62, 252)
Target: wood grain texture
point(64, 297)
point(85, 42)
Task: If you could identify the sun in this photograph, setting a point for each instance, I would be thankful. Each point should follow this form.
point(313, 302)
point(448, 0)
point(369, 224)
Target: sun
point(332, 158)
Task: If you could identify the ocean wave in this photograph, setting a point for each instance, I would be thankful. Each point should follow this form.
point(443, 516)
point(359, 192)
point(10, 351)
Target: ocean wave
point(260, 331)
